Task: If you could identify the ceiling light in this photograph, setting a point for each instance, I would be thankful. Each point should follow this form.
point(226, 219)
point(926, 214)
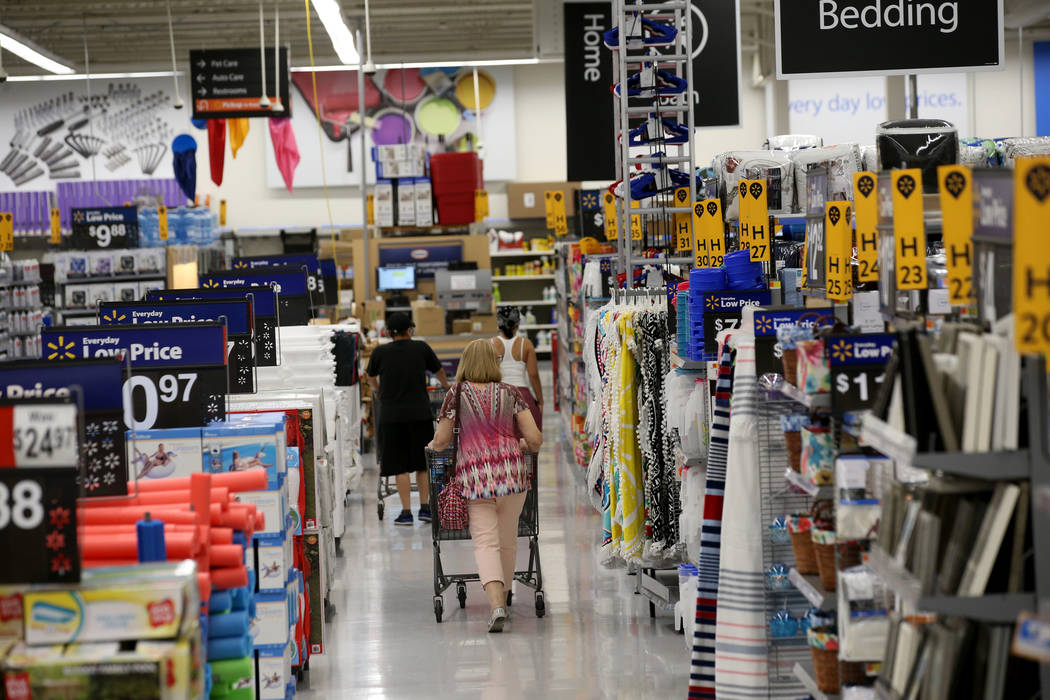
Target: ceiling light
point(28, 51)
point(439, 64)
point(93, 76)
point(342, 40)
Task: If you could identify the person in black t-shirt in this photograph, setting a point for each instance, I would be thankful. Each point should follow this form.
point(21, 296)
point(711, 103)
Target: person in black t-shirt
point(397, 371)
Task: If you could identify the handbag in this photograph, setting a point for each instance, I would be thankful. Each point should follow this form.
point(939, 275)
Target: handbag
point(452, 506)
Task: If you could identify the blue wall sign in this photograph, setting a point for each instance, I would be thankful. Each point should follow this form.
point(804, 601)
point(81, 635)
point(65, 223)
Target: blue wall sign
point(264, 299)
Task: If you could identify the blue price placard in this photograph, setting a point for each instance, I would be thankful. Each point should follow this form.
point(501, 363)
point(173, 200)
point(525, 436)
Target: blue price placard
point(286, 280)
point(148, 346)
point(315, 281)
point(768, 353)
point(107, 228)
point(237, 313)
point(867, 349)
point(723, 311)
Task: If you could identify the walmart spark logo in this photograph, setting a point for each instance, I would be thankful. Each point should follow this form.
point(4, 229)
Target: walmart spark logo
point(61, 349)
point(764, 324)
point(78, 217)
point(240, 265)
point(589, 200)
point(712, 302)
point(113, 317)
point(841, 350)
point(210, 284)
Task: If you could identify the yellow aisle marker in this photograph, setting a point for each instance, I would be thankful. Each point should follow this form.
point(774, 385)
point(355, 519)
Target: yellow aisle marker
point(481, 205)
point(909, 232)
point(683, 222)
point(710, 248)
point(1032, 255)
point(743, 202)
point(636, 222)
point(758, 221)
point(370, 204)
point(7, 231)
point(957, 208)
point(162, 221)
point(561, 224)
point(56, 227)
point(866, 203)
point(222, 212)
point(548, 208)
point(805, 263)
point(609, 210)
point(838, 220)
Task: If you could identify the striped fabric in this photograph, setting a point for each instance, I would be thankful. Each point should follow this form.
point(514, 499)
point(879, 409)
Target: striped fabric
point(702, 667)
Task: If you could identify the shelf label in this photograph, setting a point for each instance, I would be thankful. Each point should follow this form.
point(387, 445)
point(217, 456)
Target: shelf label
point(222, 212)
point(957, 208)
point(56, 227)
point(909, 230)
point(7, 231)
point(757, 220)
point(609, 211)
point(866, 205)
point(743, 202)
point(709, 246)
point(1032, 638)
point(481, 205)
point(636, 222)
point(370, 205)
point(838, 227)
point(683, 222)
point(43, 435)
point(1031, 255)
point(162, 222)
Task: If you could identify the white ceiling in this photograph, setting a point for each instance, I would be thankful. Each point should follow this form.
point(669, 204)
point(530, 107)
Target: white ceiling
point(132, 34)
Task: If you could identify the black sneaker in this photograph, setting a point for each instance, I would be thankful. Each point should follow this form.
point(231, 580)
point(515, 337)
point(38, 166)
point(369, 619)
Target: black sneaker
point(405, 518)
point(424, 514)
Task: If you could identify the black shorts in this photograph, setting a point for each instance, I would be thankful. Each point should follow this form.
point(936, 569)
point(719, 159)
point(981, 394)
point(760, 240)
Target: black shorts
point(402, 446)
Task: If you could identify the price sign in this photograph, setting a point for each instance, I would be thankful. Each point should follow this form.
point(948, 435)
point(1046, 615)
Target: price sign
point(755, 217)
point(290, 283)
point(1031, 255)
point(315, 279)
point(177, 397)
point(330, 278)
point(710, 245)
point(42, 435)
point(636, 223)
point(743, 203)
point(866, 204)
point(157, 345)
point(909, 231)
point(956, 197)
point(105, 228)
point(683, 222)
point(723, 310)
point(7, 231)
point(56, 227)
point(714, 323)
point(858, 366)
point(481, 205)
point(838, 224)
point(609, 211)
point(768, 352)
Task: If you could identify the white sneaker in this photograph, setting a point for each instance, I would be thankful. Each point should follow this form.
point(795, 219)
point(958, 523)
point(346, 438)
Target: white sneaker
point(499, 616)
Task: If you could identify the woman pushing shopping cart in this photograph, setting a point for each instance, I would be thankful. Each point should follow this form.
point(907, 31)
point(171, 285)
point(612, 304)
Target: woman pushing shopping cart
point(480, 469)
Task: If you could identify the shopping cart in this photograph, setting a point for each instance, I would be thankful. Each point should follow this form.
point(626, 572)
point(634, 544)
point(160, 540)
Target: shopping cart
point(386, 486)
point(440, 463)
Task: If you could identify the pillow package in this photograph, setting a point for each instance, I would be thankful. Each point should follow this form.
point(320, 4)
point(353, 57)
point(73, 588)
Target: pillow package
point(841, 161)
point(774, 166)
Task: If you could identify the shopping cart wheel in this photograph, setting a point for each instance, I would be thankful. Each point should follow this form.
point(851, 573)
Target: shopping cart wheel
point(461, 593)
point(439, 607)
point(379, 509)
point(541, 607)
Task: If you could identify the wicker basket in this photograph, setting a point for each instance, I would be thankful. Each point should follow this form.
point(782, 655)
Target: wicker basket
point(826, 670)
point(793, 440)
point(825, 556)
point(805, 556)
point(852, 673)
point(790, 360)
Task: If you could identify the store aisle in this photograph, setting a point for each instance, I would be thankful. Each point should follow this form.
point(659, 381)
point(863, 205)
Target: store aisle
point(597, 639)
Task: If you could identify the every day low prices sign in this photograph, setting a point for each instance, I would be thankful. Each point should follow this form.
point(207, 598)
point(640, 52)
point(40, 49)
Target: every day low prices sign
point(858, 366)
point(723, 311)
point(178, 370)
point(107, 228)
point(821, 38)
point(768, 352)
point(289, 281)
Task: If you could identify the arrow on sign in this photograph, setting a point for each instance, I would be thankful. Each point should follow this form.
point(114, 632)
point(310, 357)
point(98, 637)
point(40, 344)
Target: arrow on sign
point(202, 92)
point(201, 63)
point(200, 77)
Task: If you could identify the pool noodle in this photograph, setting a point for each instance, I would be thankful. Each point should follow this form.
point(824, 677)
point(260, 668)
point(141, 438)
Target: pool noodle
point(231, 624)
point(220, 648)
point(180, 545)
point(119, 515)
point(229, 577)
point(229, 671)
point(220, 602)
point(204, 587)
point(223, 555)
point(255, 479)
point(219, 495)
point(239, 597)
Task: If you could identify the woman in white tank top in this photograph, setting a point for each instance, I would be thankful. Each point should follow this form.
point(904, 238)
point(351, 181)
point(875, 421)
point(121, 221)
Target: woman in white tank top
point(518, 361)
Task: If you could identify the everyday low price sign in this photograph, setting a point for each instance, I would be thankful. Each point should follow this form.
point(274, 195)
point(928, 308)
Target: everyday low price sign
point(315, 279)
point(106, 228)
point(768, 352)
point(858, 366)
point(289, 281)
point(723, 311)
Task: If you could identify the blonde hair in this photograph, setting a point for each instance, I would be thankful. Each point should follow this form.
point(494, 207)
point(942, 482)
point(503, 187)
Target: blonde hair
point(479, 363)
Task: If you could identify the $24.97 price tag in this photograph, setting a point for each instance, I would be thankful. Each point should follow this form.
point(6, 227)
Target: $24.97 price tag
point(42, 435)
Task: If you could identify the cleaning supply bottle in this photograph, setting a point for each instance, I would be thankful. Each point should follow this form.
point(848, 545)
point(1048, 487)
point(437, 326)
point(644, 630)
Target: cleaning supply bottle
point(496, 296)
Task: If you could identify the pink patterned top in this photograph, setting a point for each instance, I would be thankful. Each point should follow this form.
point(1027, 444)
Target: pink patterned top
point(489, 461)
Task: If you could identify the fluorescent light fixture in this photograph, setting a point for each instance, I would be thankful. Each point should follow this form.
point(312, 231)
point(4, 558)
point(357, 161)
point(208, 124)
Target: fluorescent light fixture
point(439, 64)
point(331, 15)
point(93, 76)
point(28, 51)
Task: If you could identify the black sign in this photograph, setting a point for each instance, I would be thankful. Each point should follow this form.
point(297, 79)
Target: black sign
point(99, 381)
point(716, 41)
point(315, 276)
point(174, 397)
point(291, 282)
point(105, 227)
point(883, 37)
point(714, 323)
point(858, 365)
point(330, 277)
point(40, 527)
point(588, 102)
point(228, 83)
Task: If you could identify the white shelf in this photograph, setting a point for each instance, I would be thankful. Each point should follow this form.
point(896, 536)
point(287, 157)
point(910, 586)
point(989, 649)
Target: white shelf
point(538, 326)
point(891, 442)
point(526, 302)
point(800, 482)
point(522, 254)
point(897, 578)
point(809, 586)
point(520, 278)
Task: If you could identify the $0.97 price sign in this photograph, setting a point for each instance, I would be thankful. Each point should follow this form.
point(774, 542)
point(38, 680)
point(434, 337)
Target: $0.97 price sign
point(38, 492)
point(858, 368)
point(176, 397)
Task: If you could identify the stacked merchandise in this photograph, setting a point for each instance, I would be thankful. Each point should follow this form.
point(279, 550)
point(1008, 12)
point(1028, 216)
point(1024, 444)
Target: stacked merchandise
point(403, 193)
point(456, 177)
point(21, 308)
point(84, 278)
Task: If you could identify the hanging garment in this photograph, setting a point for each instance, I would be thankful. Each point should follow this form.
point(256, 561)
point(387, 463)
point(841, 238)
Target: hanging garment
point(285, 148)
point(631, 506)
point(184, 162)
point(702, 668)
point(238, 132)
point(216, 148)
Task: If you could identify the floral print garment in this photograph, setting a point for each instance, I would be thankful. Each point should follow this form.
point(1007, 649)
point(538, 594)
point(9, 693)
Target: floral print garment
point(489, 462)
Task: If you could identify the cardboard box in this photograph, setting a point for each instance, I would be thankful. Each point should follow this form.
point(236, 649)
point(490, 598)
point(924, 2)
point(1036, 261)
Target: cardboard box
point(525, 199)
point(275, 673)
point(462, 325)
point(370, 311)
point(269, 627)
point(384, 203)
point(164, 452)
point(429, 320)
point(484, 324)
point(424, 202)
point(406, 202)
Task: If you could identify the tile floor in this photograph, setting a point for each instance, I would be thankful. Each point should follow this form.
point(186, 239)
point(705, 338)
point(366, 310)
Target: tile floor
point(596, 641)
